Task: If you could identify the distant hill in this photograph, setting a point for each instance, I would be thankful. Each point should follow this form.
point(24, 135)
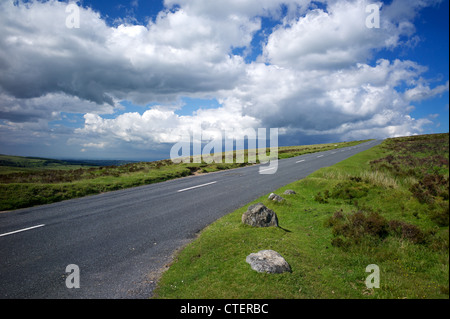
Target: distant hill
point(9, 163)
point(100, 162)
point(35, 162)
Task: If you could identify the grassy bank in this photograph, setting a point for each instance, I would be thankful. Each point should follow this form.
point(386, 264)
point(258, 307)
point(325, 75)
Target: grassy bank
point(26, 182)
point(386, 206)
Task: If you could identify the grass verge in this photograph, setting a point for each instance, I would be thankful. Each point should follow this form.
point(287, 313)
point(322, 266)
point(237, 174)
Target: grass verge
point(386, 206)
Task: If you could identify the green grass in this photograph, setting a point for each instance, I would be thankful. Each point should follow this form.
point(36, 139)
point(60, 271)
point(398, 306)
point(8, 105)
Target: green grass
point(328, 253)
point(26, 182)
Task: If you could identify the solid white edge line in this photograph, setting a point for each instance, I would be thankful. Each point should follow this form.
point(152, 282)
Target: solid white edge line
point(21, 230)
point(193, 187)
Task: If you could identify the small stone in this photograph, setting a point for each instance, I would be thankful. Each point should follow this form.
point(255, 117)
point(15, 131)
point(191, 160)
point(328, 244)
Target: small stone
point(275, 197)
point(268, 261)
point(289, 192)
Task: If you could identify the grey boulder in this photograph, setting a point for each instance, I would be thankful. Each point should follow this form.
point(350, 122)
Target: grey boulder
point(268, 261)
point(259, 215)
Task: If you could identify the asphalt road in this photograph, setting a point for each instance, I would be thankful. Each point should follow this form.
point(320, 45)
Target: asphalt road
point(121, 240)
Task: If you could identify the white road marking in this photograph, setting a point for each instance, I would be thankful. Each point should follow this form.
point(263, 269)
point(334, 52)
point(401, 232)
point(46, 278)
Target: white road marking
point(300, 161)
point(21, 230)
point(193, 187)
point(267, 169)
point(319, 156)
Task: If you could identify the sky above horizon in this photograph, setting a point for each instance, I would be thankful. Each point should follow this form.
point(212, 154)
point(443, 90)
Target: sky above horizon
point(135, 75)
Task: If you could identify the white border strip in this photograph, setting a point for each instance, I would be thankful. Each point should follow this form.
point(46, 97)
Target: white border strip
point(193, 187)
point(21, 230)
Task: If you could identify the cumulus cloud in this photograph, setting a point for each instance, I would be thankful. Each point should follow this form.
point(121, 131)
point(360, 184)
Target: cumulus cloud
point(335, 103)
point(316, 75)
point(178, 54)
point(159, 125)
point(337, 37)
point(422, 92)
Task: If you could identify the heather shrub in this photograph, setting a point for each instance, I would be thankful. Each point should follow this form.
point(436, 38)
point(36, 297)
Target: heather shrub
point(350, 190)
point(358, 226)
point(354, 227)
point(407, 231)
point(439, 213)
point(430, 187)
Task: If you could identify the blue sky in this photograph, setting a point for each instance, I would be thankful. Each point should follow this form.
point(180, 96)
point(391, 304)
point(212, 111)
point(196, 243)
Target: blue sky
point(433, 52)
point(137, 75)
point(112, 10)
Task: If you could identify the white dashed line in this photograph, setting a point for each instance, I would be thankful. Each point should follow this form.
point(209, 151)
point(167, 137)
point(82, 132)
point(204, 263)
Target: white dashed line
point(193, 187)
point(21, 230)
point(267, 169)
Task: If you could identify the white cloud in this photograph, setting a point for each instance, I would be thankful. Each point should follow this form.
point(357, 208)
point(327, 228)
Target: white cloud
point(423, 91)
point(224, 9)
point(336, 37)
point(159, 125)
point(95, 145)
point(329, 102)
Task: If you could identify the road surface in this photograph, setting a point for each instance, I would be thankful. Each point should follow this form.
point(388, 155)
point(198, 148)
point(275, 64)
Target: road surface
point(121, 240)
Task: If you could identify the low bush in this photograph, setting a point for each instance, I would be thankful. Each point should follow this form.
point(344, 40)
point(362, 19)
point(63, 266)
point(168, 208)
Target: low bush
point(353, 228)
point(407, 231)
point(347, 190)
point(430, 187)
point(439, 213)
